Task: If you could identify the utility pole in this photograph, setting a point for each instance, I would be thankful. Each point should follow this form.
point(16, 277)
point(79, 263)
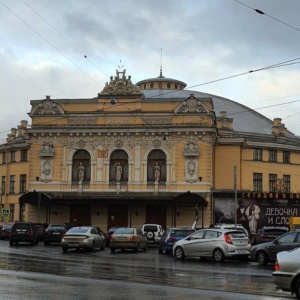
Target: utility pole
point(235, 196)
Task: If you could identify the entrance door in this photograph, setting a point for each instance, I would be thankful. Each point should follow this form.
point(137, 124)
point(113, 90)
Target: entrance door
point(156, 214)
point(117, 216)
point(80, 214)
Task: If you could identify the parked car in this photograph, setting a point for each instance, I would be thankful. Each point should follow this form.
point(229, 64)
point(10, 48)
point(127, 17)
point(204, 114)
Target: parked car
point(153, 232)
point(54, 233)
point(266, 252)
point(287, 271)
point(171, 236)
point(108, 235)
point(268, 234)
point(40, 229)
point(5, 231)
point(128, 238)
point(23, 232)
point(214, 243)
point(83, 237)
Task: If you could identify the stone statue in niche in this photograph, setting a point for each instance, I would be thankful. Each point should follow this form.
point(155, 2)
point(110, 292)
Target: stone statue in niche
point(80, 173)
point(118, 172)
point(156, 172)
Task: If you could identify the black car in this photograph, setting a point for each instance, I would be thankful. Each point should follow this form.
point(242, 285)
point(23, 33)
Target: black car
point(54, 233)
point(170, 237)
point(268, 234)
point(23, 232)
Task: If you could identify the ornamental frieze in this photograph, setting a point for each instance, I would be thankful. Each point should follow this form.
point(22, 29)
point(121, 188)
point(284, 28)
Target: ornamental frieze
point(157, 121)
point(82, 121)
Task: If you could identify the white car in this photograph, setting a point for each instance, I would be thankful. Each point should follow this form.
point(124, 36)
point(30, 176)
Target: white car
point(153, 232)
point(287, 271)
point(83, 237)
point(214, 243)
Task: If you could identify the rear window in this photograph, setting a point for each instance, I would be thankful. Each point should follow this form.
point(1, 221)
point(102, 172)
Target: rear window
point(181, 233)
point(21, 226)
point(124, 231)
point(78, 230)
point(56, 227)
point(237, 234)
point(274, 231)
point(150, 228)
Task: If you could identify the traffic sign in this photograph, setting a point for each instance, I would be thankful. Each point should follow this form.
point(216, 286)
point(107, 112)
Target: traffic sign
point(5, 212)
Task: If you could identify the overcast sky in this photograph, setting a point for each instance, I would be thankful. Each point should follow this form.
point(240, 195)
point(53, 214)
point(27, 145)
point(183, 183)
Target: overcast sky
point(69, 49)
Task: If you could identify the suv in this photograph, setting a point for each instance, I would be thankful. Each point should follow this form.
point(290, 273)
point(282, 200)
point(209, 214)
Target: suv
point(23, 232)
point(153, 232)
point(268, 234)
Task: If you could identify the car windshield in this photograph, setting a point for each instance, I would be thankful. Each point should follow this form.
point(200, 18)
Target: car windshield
point(78, 230)
point(124, 231)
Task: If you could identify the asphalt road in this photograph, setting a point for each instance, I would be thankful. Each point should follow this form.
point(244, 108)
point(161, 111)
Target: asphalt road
point(39, 272)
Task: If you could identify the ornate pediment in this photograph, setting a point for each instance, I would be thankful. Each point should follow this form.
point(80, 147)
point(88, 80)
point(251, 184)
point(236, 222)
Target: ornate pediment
point(191, 105)
point(47, 107)
point(120, 85)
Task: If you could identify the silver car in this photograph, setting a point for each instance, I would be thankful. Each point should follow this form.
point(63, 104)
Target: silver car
point(287, 271)
point(214, 243)
point(128, 238)
point(83, 237)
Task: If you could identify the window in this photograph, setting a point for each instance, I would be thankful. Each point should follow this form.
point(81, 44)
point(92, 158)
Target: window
point(22, 183)
point(11, 212)
point(272, 182)
point(257, 154)
point(12, 184)
point(24, 155)
point(12, 156)
point(3, 185)
point(257, 182)
point(4, 158)
point(286, 156)
point(272, 155)
point(286, 183)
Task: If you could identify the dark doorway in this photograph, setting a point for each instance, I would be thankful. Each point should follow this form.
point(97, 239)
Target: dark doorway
point(80, 215)
point(156, 214)
point(117, 216)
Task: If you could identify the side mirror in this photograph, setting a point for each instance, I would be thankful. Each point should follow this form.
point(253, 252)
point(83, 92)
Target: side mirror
point(275, 242)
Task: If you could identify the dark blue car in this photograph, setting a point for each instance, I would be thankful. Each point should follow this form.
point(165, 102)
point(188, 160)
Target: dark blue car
point(171, 236)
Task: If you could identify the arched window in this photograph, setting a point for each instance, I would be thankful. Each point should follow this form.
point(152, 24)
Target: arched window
point(118, 158)
point(157, 158)
point(81, 158)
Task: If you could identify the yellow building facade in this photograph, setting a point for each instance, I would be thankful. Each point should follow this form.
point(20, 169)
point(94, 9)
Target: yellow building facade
point(150, 152)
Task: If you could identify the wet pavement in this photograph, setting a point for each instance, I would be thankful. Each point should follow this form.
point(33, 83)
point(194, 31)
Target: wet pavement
point(29, 272)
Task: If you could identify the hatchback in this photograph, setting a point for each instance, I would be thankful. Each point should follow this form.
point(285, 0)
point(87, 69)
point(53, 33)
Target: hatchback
point(128, 238)
point(54, 233)
point(286, 273)
point(170, 237)
point(266, 252)
point(214, 243)
point(268, 234)
point(83, 237)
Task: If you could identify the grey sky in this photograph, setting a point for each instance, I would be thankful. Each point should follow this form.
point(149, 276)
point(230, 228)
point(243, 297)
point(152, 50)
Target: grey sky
point(43, 46)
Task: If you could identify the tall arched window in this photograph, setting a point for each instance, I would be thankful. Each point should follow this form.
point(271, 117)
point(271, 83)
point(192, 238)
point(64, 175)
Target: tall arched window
point(157, 158)
point(83, 158)
point(118, 158)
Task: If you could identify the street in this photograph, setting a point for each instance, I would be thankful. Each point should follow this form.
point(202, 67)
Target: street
point(39, 272)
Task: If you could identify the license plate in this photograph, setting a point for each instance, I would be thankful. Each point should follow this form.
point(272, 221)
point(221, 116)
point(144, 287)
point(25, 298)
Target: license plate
point(242, 251)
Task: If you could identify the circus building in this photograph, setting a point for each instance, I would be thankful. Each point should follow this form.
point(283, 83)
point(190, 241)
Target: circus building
point(149, 152)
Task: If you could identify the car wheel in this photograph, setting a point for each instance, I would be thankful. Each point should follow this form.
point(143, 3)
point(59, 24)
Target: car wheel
point(65, 249)
point(146, 247)
point(93, 247)
point(297, 289)
point(112, 250)
point(137, 247)
point(150, 235)
point(179, 253)
point(219, 255)
point(262, 258)
point(103, 245)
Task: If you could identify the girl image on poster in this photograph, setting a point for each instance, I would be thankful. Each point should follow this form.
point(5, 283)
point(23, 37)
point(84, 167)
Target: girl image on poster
point(252, 213)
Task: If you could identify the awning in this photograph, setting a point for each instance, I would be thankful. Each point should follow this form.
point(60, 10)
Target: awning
point(35, 198)
point(190, 198)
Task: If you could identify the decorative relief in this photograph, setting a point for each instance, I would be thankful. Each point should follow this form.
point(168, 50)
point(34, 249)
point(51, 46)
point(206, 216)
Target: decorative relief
point(46, 150)
point(119, 143)
point(82, 121)
point(46, 169)
point(191, 149)
point(157, 121)
point(191, 105)
point(47, 107)
point(120, 84)
point(191, 167)
point(156, 143)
